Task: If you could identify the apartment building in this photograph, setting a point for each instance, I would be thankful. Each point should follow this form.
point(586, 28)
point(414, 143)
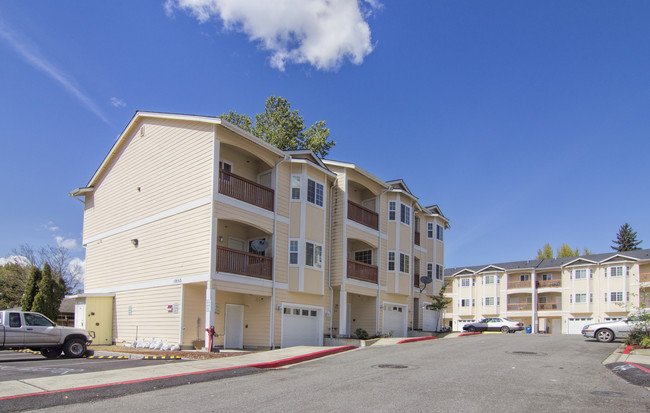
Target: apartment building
point(191, 222)
point(551, 295)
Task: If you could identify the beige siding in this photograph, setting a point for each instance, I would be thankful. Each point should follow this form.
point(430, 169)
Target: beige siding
point(357, 289)
point(282, 252)
point(236, 287)
point(193, 313)
point(364, 311)
point(229, 212)
point(256, 318)
point(295, 220)
point(283, 191)
point(294, 279)
point(338, 237)
point(314, 221)
point(169, 166)
point(313, 281)
point(173, 247)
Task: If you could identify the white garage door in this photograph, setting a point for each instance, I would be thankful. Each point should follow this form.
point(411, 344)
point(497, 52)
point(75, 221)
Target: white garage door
point(429, 320)
point(574, 325)
point(301, 326)
point(395, 320)
point(461, 323)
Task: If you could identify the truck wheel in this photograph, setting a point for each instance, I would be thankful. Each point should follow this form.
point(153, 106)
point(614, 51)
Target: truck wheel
point(74, 348)
point(51, 353)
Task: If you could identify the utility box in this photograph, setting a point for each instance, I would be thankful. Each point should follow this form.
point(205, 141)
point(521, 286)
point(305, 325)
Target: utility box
point(94, 312)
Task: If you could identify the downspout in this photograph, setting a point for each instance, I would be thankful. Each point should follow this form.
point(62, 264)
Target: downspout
point(329, 256)
point(379, 266)
point(275, 246)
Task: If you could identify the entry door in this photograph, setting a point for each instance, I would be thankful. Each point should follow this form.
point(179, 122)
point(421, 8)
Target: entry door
point(234, 329)
point(80, 313)
point(556, 326)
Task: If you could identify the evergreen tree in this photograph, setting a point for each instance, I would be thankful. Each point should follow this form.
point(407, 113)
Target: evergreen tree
point(31, 289)
point(545, 253)
point(566, 251)
point(626, 239)
point(12, 285)
point(48, 299)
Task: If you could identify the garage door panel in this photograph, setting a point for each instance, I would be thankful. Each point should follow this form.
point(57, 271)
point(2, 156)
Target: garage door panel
point(395, 320)
point(301, 327)
point(429, 320)
point(574, 325)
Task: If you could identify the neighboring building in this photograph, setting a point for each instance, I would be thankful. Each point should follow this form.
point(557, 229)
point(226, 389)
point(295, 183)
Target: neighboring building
point(191, 222)
point(551, 295)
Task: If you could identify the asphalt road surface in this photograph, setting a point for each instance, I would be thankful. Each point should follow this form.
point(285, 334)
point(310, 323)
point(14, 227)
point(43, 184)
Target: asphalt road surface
point(483, 373)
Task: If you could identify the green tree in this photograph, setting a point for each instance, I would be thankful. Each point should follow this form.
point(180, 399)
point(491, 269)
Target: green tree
point(587, 251)
point(48, 299)
point(545, 253)
point(13, 278)
point(566, 251)
point(284, 128)
point(626, 239)
point(31, 289)
point(439, 302)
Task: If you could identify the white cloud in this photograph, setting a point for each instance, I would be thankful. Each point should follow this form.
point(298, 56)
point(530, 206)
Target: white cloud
point(30, 52)
point(77, 267)
point(50, 226)
point(320, 32)
point(118, 103)
point(69, 243)
point(14, 259)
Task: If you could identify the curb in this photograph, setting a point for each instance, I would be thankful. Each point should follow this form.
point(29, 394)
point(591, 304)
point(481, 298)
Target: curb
point(299, 359)
point(627, 349)
point(470, 334)
point(414, 339)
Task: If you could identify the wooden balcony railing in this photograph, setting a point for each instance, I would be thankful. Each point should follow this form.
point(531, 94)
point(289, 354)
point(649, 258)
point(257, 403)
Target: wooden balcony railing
point(245, 263)
point(549, 306)
point(416, 238)
point(245, 190)
point(644, 277)
point(362, 271)
point(549, 283)
point(416, 279)
point(519, 284)
point(363, 215)
point(520, 306)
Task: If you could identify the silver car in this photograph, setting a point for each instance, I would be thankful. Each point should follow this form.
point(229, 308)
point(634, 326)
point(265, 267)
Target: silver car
point(495, 324)
point(606, 332)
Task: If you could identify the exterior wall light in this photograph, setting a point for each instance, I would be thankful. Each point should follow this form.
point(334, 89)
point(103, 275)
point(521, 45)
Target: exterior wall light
point(134, 241)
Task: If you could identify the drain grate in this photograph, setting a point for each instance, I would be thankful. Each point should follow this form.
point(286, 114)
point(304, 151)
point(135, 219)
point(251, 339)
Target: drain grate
point(392, 366)
point(606, 393)
point(526, 353)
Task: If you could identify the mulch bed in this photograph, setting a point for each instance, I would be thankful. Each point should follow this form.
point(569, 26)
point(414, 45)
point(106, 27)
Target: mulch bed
point(196, 355)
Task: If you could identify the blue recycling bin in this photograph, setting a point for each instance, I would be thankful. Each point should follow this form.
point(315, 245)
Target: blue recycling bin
point(529, 329)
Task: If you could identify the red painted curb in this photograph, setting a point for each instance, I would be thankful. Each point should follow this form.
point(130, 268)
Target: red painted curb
point(638, 367)
point(414, 339)
point(269, 365)
point(470, 334)
point(627, 349)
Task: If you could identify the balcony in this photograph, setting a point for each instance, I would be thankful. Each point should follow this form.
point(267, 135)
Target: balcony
point(245, 263)
point(520, 307)
point(416, 238)
point(549, 306)
point(245, 190)
point(363, 215)
point(362, 271)
point(519, 284)
point(549, 283)
point(644, 277)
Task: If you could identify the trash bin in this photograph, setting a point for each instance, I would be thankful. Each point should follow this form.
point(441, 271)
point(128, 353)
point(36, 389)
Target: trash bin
point(529, 329)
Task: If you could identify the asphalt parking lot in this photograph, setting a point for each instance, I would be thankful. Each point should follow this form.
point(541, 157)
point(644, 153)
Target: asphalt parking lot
point(20, 366)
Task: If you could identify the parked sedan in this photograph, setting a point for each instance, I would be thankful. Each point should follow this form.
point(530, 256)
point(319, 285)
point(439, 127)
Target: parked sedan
point(495, 324)
point(609, 331)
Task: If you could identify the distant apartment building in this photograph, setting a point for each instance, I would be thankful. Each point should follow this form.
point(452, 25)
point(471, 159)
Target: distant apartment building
point(191, 222)
point(551, 295)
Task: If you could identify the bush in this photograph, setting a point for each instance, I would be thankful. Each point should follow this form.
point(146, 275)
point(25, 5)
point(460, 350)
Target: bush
point(361, 333)
point(636, 336)
point(645, 342)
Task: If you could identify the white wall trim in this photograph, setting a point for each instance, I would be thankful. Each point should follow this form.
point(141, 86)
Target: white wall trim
point(244, 205)
point(243, 279)
point(151, 284)
point(363, 228)
point(365, 284)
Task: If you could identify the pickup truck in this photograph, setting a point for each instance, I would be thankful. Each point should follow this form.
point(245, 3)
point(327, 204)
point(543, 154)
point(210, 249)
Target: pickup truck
point(34, 331)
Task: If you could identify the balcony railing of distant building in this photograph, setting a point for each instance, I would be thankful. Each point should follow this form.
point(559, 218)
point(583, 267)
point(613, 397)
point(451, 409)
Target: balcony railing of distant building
point(245, 190)
point(519, 284)
point(362, 271)
point(416, 238)
point(549, 283)
point(520, 306)
point(549, 306)
point(644, 277)
point(245, 263)
point(363, 215)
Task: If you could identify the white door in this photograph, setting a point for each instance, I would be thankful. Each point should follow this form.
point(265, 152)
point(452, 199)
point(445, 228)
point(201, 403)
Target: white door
point(574, 325)
point(556, 326)
point(80, 313)
point(395, 320)
point(429, 320)
point(234, 329)
point(302, 326)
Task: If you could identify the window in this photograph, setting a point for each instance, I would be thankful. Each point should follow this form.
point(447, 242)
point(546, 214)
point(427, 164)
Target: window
point(391, 260)
point(581, 274)
point(314, 192)
point(313, 255)
point(547, 277)
point(439, 232)
point(616, 272)
point(295, 187)
point(524, 277)
point(293, 252)
point(498, 300)
point(225, 166)
point(391, 210)
point(363, 256)
point(405, 214)
point(430, 269)
point(37, 320)
point(14, 320)
point(616, 296)
point(581, 298)
point(464, 282)
point(404, 262)
point(430, 230)
point(464, 302)
point(439, 271)
point(489, 279)
point(489, 300)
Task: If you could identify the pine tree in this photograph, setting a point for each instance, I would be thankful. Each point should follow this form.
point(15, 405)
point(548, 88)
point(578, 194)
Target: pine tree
point(626, 239)
point(545, 253)
point(47, 300)
point(31, 289)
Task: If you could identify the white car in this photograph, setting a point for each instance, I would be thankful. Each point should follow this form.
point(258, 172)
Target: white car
point(609, 331)
point(495, 324)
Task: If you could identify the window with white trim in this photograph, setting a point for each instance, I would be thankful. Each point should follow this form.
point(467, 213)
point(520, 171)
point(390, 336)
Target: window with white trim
point(391, 260)
point(295, 187)
point(430, 269)
point(314, 192)
point(313, 255)
point(391, 210)
point(430, 230)
point(364, 256)
point(464, 282)
point(293, 252)
point(547, 277)
point(439, 233)
point(524, 277)
point(464, 302)
point(404, 263)
point(616, 296)
point(439, 271)
point(489, 300)
point(405, 214)
point(580, 274)
point(581, 298)
point(489, 279)
point(616, 272)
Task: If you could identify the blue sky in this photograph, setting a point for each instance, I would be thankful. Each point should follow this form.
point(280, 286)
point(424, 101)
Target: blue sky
point(527, 122)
